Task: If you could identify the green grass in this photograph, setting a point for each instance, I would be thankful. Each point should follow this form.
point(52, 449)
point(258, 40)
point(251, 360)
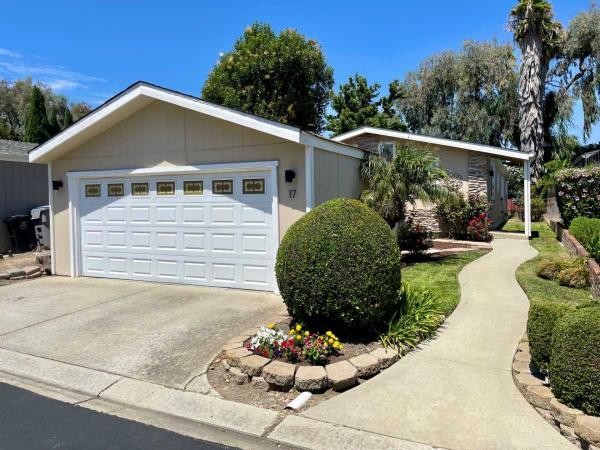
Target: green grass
point(514, 225)
point(440, 277)
point(537, 288)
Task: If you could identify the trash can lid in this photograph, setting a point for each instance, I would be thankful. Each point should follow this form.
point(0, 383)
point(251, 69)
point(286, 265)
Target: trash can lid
point(36, 212)
point(16, 218)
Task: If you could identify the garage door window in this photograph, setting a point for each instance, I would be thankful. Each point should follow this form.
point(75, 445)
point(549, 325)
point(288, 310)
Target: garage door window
point(222, 187)
point(193, 187)
point(165, 188)
point(116, 190)
point(139, 189)
point(253, 185)
point(92, 190)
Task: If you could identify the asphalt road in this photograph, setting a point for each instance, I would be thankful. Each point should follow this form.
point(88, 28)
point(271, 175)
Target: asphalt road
point(30, 421)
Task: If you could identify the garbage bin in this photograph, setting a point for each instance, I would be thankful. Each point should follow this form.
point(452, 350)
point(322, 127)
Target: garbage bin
point(40, 219)
point(20, 232)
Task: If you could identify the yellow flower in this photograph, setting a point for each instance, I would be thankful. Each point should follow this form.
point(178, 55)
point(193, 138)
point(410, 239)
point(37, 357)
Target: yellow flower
point(292, 332)
point(298, 337)
point(336, 345)
point(330, 341)
point(298, 327)
point(329, 333)
point(325, 345)
point(271, 325)
point(306, 333)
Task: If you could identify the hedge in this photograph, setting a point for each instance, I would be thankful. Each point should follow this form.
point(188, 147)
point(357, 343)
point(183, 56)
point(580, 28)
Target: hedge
point(575, 360)
point(578, 193)
point(540, 326)
point(339, 266)
point(587, 232)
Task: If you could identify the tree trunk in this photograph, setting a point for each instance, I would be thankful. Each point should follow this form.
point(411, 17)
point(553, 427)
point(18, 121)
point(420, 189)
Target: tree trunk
point(531, 99)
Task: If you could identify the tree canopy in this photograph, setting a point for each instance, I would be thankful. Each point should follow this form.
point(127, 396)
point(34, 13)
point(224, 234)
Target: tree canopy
point(36, 120)
point(15, 102)
point(282, 77)
point(357, 104)
point(467, 95)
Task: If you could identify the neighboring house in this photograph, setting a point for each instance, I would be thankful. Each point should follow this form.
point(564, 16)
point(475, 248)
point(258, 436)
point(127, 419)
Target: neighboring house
point(23, 185)
point(478, 169)
point(161, 186)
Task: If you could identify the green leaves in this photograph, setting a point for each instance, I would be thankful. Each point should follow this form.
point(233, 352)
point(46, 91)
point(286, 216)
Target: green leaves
point(282, 77)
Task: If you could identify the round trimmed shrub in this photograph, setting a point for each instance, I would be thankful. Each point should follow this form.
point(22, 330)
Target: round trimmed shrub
point(575, 360)
point(339, 266)
point(540, 326)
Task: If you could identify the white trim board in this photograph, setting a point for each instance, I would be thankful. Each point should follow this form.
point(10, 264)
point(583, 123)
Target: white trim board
point(138, 95)
point(73, 186)
point(487, 149)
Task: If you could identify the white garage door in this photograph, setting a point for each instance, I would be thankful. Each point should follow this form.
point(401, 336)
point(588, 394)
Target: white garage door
point(214, 230)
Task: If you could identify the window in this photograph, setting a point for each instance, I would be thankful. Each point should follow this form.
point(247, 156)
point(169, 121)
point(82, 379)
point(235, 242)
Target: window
point(116, 189)
point(253, 186)
point(92, 190)
point(165, 188)
point(387, 149)
point(193, 187)
point(222, 187)
point(139, 189)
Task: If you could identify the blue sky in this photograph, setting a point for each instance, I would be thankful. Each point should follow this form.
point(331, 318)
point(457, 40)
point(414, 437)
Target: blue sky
point(90, 50)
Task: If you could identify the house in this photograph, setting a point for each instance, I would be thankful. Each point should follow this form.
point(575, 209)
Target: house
point(23, 186)
point(160, 186)
point(156, 185)
point(477, 169)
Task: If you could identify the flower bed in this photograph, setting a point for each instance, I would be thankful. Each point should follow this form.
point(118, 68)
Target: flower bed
point(307, 361)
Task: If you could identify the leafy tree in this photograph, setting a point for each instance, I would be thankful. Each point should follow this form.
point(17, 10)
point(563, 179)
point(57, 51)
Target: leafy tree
point(53, 125)
point(67, 119)
point(468, 95)
point(36, 121)
point(539, 37)
point(357, 104)
point(282, 77)
point(78, 110)
point(411, 175)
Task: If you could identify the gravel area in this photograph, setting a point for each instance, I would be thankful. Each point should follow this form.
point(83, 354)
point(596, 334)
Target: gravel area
point(18, 260)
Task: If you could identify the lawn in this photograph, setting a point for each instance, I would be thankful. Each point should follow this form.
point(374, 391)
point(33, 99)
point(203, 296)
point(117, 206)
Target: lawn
point(514, 225)
point(440, 277)
point(537, 288)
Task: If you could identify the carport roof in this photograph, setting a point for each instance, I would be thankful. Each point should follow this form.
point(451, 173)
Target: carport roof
point(142, 93)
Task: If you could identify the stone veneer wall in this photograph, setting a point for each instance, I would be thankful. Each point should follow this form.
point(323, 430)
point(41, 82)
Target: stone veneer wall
point(478, 167)
point(426, 218)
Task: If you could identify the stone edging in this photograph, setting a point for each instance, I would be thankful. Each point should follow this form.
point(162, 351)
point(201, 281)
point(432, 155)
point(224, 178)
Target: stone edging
point(579, 428)
point(26, 273)
point(247, 367)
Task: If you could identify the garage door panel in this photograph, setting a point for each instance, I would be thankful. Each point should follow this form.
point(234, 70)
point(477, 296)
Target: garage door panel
point(203, 239)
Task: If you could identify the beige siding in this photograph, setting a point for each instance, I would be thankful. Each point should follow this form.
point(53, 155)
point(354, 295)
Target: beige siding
point(335, 176)
point(165, 135)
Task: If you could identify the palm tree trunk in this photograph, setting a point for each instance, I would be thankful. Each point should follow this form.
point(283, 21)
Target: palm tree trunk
point(531, 95)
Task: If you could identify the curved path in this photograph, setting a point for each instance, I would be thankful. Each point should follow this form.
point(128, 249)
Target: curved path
point(457, 392)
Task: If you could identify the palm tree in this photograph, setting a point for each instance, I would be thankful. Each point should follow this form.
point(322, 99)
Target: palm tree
point(410, 175)
point(538, 36)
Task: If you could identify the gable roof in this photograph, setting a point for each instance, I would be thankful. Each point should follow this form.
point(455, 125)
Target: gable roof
point(140, 94)
point(15, 150)
point(501, 153)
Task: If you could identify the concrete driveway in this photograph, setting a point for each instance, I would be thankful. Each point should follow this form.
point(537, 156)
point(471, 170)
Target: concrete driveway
point(164, 334)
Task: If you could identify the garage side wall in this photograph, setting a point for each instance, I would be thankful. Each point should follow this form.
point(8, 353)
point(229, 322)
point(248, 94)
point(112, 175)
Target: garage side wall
point(162, 135)
point(336, 176)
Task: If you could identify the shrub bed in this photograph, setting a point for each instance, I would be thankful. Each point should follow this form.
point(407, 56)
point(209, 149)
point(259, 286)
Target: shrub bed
point(575, 360)
point(587, 232)
point(578, 193)
point(339, 267)
point(570, 272)
point(455, 215)
point(540, 328)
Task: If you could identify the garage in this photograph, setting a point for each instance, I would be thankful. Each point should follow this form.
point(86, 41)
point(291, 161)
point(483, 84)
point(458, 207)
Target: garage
point(203, 228)
point(160, 186)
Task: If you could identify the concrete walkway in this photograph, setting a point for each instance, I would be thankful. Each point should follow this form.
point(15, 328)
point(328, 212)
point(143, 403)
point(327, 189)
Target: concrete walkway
point(457, 392)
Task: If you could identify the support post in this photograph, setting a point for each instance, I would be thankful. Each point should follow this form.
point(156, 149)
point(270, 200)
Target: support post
point(309, 168)
point(527, 197)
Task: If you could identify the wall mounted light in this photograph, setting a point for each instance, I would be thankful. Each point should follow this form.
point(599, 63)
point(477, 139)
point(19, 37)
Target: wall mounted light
point(56, 184)
point(289, 176)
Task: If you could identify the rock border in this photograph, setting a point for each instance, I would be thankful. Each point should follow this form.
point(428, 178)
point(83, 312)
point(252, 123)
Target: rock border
point(25, 273)
point(248, 367)
point(580, 429)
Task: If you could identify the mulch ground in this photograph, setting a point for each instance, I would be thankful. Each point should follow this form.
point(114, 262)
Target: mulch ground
point(18, 260)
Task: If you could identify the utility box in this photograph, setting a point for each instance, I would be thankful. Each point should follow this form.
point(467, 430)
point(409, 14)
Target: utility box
point(40, 217)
